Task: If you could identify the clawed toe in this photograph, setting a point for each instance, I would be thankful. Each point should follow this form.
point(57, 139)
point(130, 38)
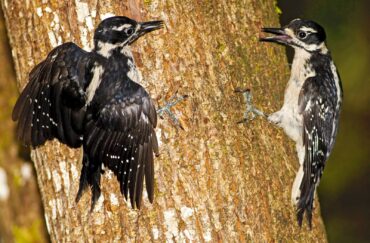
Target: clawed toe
point(250, 111)
point(166, 109)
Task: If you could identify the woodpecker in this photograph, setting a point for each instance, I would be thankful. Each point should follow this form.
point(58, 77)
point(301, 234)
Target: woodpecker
point(94, 100)
point(312, 103)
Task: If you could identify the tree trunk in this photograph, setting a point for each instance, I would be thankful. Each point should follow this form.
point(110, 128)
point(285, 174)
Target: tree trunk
point(18, 185)
point(215, 180)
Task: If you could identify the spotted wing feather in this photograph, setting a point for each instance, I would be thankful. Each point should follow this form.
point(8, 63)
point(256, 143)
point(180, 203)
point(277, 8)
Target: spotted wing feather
point(120, 134)
point(318, 108)
point(52, 103)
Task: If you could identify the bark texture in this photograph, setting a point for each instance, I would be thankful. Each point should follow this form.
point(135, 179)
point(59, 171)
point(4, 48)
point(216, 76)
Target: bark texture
point(215, 180)
point(18, 185)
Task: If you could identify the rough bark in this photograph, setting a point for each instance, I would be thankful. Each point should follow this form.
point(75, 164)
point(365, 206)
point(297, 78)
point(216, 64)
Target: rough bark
point(215, 180)
point(18, 185)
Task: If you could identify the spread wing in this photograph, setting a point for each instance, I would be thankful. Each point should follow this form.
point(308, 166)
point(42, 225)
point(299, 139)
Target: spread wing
point(51, 104)
point(318, 107)
point(120, 134)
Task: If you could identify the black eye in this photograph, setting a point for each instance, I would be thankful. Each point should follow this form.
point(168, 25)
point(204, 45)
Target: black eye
point(302, 34)
point(129, 31)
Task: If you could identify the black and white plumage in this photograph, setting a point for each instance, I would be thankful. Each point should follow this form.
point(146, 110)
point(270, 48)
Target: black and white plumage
point(312, 103)
point(92, 99)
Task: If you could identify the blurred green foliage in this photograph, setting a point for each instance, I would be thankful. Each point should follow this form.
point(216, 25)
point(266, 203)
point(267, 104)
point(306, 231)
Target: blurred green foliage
point(345, 188)
point(28, 234)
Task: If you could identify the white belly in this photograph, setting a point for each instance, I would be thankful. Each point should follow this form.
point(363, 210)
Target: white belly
point(291, 120)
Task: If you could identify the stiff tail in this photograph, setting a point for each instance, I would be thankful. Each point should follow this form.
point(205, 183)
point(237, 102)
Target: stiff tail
point(296, 191)
point(303, 193)
point(90, 176)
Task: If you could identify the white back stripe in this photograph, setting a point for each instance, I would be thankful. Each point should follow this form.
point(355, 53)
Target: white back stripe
point(94, 84)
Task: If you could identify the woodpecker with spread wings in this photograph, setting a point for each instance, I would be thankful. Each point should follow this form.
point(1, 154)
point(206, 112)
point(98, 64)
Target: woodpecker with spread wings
point(94, 100)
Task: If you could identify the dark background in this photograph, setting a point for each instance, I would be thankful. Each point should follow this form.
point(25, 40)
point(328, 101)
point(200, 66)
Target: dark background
point(344, 191)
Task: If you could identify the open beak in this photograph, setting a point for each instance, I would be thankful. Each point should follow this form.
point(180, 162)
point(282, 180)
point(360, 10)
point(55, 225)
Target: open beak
point(279, 36)
point(146, 27)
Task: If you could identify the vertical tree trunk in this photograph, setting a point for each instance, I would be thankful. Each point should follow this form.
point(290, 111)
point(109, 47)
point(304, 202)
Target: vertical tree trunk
point(215, 180)
point(18, 186)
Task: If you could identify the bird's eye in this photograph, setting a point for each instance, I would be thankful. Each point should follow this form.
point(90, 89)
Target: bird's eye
point(129, 31)
point(302, 34)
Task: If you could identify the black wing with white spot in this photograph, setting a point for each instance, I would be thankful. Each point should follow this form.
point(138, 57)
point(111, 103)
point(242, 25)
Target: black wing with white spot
point(52, 103)
point(120, 133)
point(320, 113)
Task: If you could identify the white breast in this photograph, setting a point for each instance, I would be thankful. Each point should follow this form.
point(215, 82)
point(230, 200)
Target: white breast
point(299, 73)
point(291, 120)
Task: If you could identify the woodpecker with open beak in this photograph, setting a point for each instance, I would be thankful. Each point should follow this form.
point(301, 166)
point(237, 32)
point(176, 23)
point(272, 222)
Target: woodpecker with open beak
point(312, 104)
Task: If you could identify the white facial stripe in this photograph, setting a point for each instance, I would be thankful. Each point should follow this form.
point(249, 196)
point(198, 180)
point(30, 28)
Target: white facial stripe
point(104, 49)
point(312, 47)
point(289, 32)
point(138, 26)
point(307, 29)
point(120, 28)
point(133, 35)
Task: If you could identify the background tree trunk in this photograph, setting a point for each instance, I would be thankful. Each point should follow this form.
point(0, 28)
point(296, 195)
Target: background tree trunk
point(215, 180)
point(18, 185)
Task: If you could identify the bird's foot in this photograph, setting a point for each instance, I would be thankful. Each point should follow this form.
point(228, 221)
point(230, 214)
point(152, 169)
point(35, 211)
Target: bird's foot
point(166, 109)
point(275, 118)
point(250, 111)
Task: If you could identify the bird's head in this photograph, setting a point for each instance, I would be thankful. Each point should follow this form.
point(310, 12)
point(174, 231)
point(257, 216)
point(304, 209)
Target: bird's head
point(120, 31)
point(299, 33)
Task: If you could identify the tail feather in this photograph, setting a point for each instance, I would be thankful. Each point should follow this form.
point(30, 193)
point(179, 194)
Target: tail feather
point(303, 194)
point(296, 189)
point(305, 205)
point(90, 176)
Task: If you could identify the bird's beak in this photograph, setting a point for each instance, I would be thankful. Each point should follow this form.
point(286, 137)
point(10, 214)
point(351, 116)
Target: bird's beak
point(146, 27)
point(280, 36)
